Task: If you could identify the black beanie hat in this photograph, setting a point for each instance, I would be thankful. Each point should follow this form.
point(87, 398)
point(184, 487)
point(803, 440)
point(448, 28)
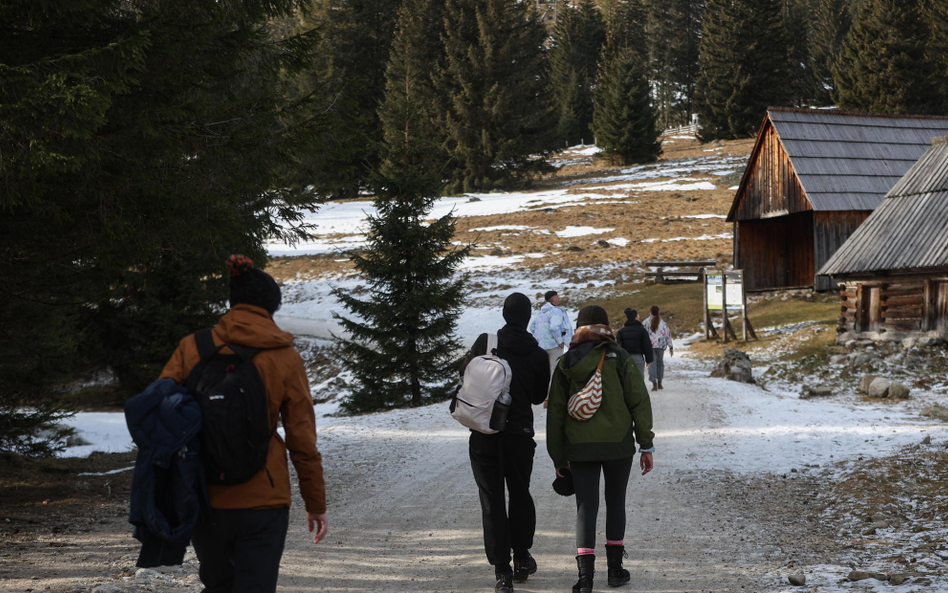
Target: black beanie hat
point(549, 295)
point(250, 286)
point(517, 310)
point(631, 314)
point(592, 315)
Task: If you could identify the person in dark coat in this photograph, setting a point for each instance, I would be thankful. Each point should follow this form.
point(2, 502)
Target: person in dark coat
point(507, 457)
point(634, 338)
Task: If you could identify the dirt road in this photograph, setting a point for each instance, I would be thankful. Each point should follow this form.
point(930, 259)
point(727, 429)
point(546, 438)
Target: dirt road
point(405, 516)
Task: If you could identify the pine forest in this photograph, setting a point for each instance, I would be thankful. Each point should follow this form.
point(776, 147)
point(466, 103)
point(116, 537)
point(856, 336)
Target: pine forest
point(142, 141)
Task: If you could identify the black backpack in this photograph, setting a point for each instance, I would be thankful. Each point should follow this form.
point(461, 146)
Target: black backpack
point(235, 431)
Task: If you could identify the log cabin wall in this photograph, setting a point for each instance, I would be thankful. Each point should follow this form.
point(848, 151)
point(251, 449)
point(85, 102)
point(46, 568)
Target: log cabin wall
point(893, 307)
point(830, 231)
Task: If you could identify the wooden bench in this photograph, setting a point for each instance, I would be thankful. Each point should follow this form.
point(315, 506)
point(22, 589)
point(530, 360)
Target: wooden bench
point(662, 273)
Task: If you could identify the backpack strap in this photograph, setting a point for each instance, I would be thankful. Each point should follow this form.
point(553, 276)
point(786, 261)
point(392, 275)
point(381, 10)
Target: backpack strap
point(207, 348)
point(491, 343)
point(205, 343)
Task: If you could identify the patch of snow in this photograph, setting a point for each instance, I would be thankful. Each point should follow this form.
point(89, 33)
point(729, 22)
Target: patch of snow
point(579, 231)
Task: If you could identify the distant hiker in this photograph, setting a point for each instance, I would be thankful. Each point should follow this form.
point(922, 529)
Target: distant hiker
point(634, 338)
point(507, 457)
point(552, 328)
point(660, 335)
point(240, 544)
point(603, 443)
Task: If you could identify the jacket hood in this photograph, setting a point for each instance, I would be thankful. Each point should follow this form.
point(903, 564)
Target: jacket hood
point(632, 322)
point(517, 310)
point(248, 325)
point(516, 339)
point(581, 361)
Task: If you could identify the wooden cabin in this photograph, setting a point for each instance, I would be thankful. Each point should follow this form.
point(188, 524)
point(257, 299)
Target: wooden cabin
point(893, 271)
point(813, 177)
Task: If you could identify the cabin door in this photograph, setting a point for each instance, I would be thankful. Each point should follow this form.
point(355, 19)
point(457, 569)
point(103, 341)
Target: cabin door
point(870, 308)
point(941, 306)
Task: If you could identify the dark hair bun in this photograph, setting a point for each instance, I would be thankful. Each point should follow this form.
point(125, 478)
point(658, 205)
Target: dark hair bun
point(238, 264)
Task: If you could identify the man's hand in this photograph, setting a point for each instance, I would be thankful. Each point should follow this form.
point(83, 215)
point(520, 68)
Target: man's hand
point(319, 523)
point(646, 463)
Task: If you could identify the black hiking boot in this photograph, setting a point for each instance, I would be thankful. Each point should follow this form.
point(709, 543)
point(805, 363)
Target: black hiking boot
point(618, 576)
point(523, 567)
point(587, 567)
point(504, 583)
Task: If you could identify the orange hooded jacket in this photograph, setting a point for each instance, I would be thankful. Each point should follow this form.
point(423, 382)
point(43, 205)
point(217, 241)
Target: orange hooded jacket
point(284, 376)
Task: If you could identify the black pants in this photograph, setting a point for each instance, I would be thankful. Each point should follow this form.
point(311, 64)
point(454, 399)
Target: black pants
point(498, 459)
point(586, 480)
point(240, 550)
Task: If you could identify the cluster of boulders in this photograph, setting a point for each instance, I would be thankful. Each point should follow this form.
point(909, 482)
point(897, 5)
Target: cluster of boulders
point(868, 354)
point(881, 387)
point(870, 385)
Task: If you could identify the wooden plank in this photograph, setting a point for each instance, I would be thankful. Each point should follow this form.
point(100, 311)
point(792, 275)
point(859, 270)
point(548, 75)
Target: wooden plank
point(907, 325)
point(704, 264)
point(915, 300)
point(903, 313)
point(847, 294)
point(896, 294)
point(679, 273)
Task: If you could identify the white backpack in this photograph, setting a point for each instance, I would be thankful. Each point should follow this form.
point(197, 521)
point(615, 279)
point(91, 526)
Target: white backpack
point(483, 399)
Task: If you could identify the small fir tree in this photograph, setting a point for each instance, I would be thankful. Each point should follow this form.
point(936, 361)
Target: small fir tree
point(402, 348)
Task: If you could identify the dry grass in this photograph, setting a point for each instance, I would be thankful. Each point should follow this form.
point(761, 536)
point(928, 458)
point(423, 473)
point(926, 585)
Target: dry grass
point(637, 216)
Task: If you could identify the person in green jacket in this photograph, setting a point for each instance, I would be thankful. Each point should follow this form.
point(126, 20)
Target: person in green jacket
point(604, 444)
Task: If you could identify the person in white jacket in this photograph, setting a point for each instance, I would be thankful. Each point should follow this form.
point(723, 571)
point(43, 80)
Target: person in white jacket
point(552, 328)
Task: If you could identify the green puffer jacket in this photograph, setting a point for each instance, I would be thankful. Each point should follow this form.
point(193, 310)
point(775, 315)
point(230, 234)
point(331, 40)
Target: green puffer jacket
point(625, 407)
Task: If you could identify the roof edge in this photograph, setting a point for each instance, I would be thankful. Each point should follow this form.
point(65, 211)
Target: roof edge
point(853, 113)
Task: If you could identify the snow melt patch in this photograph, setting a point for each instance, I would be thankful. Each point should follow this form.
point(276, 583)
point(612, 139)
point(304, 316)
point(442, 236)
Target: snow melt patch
point(579, 231)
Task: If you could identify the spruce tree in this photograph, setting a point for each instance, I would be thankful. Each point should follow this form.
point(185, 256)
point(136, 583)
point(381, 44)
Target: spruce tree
point(624, 120)
point(884, 65)
point(402, 348)
point(577, 41)
point(831, 22)
point(355, 42)
point(744, 66)
point(141, 147)
point(493, 113)
point(673, 32)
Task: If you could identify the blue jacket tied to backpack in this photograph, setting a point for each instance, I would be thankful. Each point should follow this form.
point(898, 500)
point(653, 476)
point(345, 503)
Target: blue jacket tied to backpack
point(168, 490)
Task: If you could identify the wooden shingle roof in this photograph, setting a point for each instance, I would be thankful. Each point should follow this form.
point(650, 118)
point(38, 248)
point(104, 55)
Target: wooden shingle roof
point(848, 161)
point(909, 231)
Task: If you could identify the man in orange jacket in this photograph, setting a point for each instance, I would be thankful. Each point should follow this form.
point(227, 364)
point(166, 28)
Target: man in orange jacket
point(241, 544)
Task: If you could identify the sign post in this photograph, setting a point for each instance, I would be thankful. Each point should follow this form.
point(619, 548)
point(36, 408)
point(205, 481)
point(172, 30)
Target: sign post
point(724, 291)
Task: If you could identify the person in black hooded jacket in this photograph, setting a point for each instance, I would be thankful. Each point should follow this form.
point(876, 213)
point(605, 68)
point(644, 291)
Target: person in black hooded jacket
point(507, 457)
point(634, 338)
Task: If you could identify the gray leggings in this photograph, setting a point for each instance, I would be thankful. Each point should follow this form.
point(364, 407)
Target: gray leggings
point(657, 371)
point(586, 481)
